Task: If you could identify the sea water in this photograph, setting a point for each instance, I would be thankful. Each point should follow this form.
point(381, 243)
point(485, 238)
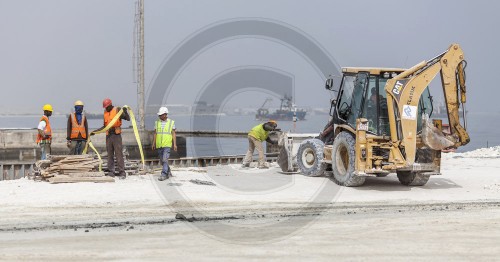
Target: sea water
point(482, 127)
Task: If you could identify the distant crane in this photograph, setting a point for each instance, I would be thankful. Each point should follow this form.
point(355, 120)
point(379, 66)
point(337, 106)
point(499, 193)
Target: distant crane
point(263, 110)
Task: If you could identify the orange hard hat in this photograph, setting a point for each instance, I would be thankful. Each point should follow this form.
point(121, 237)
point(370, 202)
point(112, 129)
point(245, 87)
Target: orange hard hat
point(107, 102)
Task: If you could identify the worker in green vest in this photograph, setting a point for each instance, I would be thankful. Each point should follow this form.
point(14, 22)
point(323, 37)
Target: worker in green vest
point(256, 136)
point(163, 140)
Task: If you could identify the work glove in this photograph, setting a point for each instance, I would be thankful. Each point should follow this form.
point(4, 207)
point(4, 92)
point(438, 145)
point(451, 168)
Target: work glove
point(68, 143)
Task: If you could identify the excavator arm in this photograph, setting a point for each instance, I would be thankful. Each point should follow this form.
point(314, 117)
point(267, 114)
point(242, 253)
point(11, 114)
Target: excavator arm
point(403, 95)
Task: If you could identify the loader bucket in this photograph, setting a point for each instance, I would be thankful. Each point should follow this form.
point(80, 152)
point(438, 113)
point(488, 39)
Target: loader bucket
point(433, 137)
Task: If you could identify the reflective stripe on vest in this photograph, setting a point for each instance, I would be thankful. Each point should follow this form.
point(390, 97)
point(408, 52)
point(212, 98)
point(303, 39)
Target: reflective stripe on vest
point(108, 116)
point(47, 130)
point(258, 132)
point(164, 135)
point(77, 129)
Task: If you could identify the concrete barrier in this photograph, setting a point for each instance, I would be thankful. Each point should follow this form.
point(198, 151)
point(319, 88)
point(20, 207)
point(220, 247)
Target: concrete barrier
point(20, 144)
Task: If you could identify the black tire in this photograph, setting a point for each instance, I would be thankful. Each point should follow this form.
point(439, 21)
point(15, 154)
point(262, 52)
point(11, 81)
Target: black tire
point(409, 178)
point(343, 159)
point(310, 157)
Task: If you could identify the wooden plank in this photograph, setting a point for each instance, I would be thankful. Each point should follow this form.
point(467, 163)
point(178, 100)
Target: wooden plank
point(87, 174)
point(68, 179)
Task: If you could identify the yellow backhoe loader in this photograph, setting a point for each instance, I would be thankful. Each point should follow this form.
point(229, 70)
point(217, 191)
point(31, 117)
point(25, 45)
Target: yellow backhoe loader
point(381, 123)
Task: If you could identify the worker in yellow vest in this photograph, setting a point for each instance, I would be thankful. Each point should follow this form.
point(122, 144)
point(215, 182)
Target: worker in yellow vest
point(44, 136)
point(164, 140)
point(114, 145)
point(256, 136)
point(77, 130)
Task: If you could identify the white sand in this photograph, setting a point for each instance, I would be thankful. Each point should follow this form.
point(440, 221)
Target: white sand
point(470, 176)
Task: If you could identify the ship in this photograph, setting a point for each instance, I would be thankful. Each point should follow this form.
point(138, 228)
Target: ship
point(440, 111)
point(287, 112)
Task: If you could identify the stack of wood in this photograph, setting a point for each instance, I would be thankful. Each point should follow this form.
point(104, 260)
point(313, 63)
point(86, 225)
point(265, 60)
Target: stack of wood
point(71, 169)
point(132, 167)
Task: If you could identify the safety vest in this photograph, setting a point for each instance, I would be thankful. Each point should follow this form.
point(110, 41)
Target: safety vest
point(77, 129)
point(108, 116)
point(258, 132)
point(164, 136)
point(47, 130)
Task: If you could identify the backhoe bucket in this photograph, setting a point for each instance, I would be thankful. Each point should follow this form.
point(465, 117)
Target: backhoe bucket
point(433, 137)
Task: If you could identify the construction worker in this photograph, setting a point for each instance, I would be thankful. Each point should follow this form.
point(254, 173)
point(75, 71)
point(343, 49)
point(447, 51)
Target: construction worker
point(77, 130)
point(256, 136)
point(114, 145)
point(163, 140)
point(44, 136)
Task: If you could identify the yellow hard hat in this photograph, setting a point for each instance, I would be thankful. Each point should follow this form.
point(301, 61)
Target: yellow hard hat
point(47, 107)
point(78, 103)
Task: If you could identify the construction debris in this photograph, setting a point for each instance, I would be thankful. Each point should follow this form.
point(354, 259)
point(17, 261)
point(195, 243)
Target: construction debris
point(59, 164)
point(132, 167)
point(75, 179)
point(202, 182)
point(70, 169)
point(81, 168)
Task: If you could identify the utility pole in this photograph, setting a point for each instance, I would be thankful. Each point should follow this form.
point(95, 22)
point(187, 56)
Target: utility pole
point(140, 66)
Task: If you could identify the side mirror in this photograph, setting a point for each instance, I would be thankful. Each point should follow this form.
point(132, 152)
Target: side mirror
point(329, 84)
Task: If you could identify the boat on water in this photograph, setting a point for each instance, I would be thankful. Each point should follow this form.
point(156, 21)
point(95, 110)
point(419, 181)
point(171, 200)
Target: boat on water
point(287, 112)
point(439, 111)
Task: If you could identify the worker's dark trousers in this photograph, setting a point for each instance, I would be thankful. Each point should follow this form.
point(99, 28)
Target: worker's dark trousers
point(115, 148)
point(76, 147)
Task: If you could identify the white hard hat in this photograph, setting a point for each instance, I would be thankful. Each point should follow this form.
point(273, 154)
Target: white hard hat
point(163, 110)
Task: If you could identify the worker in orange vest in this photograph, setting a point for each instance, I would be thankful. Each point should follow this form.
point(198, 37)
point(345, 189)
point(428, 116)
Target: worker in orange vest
point(77, 130)
point(114, 145)
point(44, 136)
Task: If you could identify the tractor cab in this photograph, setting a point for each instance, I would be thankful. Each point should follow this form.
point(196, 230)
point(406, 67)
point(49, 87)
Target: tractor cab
point(362, 95)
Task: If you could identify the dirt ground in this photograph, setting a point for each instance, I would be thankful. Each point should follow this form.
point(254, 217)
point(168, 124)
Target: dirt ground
point(466, 231)
point(226, 213)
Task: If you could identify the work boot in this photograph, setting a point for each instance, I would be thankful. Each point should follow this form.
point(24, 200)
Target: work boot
point(263, 165)
point(162, 177)
point(123, 177)
point(110, 174)
point(245, 165)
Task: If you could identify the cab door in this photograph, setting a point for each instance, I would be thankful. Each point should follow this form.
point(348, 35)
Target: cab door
point(351, 95)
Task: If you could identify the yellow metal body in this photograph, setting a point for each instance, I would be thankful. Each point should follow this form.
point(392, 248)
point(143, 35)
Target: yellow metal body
point(403, 94)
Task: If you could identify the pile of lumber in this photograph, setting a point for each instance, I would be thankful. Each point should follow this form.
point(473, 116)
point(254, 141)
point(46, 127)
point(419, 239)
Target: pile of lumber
point(132, 167)
point(95, 177)
point(70, 169)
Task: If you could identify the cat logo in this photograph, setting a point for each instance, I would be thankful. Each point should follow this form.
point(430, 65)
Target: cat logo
point(397, 88)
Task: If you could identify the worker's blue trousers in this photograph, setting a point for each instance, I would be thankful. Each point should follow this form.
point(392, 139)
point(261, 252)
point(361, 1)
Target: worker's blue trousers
point(164, 154)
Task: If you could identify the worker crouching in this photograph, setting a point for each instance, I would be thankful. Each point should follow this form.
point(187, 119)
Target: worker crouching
point(77, 130)
point(256, 136)
point(163, 140)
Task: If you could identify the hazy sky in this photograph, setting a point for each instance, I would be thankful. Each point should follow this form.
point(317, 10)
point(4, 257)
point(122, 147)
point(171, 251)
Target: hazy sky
point(60, 51)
